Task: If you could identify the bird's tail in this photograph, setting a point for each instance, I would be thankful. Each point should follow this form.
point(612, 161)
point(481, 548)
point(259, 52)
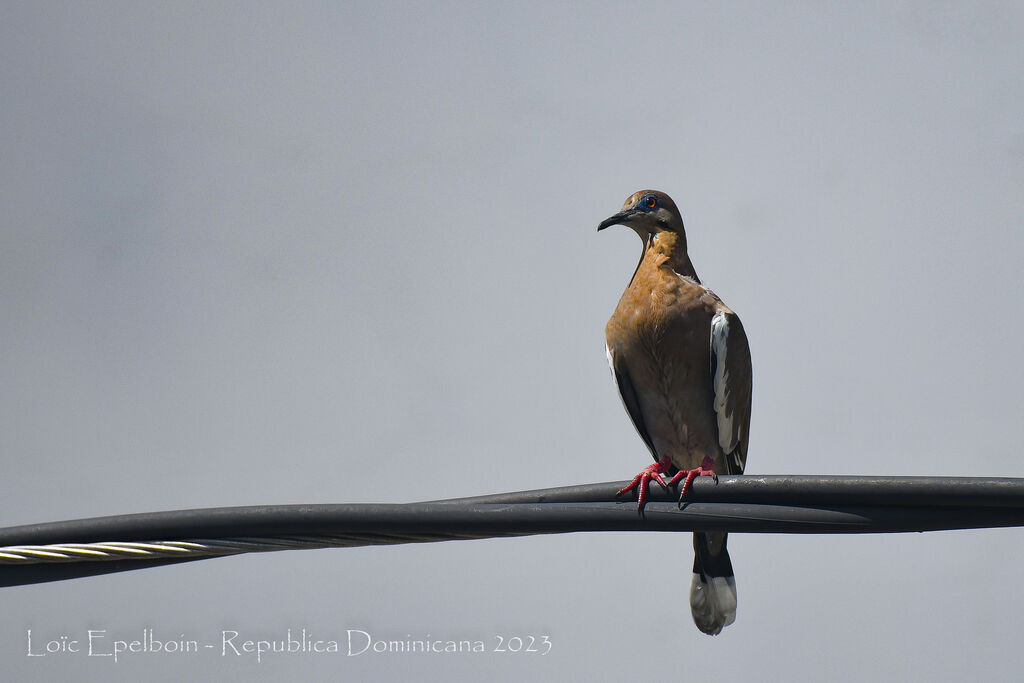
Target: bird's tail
point(713, 588)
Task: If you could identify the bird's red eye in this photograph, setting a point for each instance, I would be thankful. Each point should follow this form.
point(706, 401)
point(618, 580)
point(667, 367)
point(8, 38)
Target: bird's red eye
point(650, 201)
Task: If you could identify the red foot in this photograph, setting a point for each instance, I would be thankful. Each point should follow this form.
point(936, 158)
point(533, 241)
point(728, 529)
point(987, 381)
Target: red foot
point(641, 482)
point(703, 471)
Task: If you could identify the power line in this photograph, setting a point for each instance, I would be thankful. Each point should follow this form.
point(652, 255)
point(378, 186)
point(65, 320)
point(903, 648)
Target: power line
point(752, 504)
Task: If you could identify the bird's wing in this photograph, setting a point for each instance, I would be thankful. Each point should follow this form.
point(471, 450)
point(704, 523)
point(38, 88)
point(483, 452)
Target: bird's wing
point(629, 400)
point(731, 380)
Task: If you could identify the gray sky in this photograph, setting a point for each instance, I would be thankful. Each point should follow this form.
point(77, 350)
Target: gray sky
point(342, 253)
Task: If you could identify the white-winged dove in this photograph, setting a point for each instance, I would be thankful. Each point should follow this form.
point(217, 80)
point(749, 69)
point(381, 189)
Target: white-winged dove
point(680, 359)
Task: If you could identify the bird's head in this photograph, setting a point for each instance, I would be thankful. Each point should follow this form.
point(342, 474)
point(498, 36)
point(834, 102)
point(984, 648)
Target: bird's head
point(648, 212)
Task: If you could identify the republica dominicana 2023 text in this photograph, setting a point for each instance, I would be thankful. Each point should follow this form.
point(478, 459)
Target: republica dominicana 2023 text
point(353, 642)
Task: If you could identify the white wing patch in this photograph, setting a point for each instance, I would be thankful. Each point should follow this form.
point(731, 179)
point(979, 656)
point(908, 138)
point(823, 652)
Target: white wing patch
point(720, 381)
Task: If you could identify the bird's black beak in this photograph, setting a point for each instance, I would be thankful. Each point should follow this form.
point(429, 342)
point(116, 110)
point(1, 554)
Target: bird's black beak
point(618, 219)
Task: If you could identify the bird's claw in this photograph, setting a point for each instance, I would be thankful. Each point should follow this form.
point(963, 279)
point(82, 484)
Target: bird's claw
point(688, 476)
point(641, 482)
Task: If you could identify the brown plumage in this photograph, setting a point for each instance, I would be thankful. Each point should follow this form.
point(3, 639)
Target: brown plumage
point(681, 362)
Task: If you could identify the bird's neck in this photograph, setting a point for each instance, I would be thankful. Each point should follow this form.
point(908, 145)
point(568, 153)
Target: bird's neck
point(668, 250)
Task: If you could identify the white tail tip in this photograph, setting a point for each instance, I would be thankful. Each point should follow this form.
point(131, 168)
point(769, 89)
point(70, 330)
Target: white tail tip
point(713, 602)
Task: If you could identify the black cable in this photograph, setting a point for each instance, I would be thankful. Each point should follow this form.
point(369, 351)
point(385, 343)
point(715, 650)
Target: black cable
point(798, 489)
point(752, 504)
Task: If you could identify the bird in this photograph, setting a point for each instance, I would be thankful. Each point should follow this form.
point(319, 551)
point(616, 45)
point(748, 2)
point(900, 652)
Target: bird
point(681, 362)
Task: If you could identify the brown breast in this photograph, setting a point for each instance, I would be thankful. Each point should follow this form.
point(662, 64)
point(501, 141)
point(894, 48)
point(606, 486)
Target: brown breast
point(660, 335)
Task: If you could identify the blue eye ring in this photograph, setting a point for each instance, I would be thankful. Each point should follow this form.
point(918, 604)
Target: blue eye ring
point(649, 202)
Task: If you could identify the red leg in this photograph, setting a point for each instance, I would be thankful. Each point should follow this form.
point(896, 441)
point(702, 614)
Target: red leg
point(704, 470)
point(641, 482)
